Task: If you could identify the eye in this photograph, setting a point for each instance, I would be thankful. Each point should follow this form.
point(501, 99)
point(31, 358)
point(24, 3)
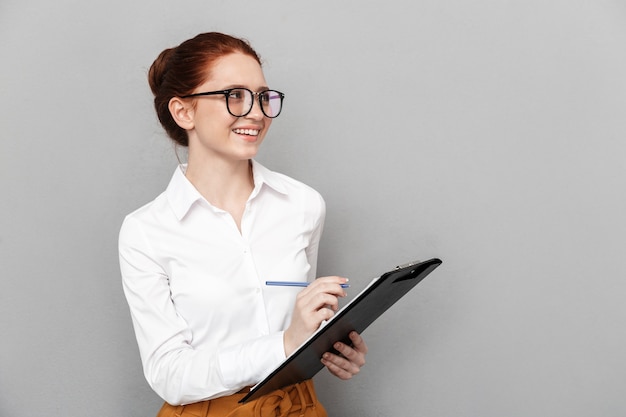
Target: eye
point(269, 95)
point(236, 94)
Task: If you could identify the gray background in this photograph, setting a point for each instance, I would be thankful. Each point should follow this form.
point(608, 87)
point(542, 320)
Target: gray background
point(488, 133)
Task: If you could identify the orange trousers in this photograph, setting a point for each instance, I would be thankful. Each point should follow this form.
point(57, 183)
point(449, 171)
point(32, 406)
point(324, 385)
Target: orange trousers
point(297, 400)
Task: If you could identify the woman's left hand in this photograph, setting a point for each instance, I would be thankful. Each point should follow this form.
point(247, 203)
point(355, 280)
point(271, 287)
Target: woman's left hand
point(352, 358)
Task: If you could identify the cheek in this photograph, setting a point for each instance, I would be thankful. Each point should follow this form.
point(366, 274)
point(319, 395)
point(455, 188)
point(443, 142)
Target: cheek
point(214, 115)
point(268, 124)
point(220, 125)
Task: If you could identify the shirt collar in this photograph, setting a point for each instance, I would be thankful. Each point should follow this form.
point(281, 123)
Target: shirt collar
point(182, 195)
point(265, 176)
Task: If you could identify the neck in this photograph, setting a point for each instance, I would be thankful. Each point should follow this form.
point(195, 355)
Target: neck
point(224, 184)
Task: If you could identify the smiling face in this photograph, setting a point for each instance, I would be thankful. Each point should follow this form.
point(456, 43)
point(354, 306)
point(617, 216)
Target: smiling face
point(213, 132)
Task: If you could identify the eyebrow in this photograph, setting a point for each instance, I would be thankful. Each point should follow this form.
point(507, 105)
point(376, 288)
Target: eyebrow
point(262, 88)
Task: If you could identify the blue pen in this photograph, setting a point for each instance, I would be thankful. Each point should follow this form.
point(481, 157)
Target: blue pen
point(295, 284)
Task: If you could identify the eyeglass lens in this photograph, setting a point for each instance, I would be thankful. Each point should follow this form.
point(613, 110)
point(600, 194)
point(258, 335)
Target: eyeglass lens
point(240, 101)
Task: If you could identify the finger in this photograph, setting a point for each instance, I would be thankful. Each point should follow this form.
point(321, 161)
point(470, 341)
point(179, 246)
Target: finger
point(339, 366)
point(314, 298)
point(318, 301)
point(321, 286)
point(358, 343)
point(331, 279)
point(329, 284)
point(351, 354)
point(324, 285)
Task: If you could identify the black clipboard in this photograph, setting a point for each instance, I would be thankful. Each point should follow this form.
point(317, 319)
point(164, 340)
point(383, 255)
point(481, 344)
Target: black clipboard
point(357, 315)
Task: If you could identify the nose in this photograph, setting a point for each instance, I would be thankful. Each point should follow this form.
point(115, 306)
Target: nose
point(255, 112)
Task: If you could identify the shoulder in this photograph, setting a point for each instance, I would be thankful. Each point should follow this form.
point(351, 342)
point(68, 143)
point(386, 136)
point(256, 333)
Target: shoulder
point(144, 218)
point(162, 210)
point(155, 207)
point(297, 187)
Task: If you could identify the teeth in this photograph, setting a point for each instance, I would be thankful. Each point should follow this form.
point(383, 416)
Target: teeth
point(251, 132)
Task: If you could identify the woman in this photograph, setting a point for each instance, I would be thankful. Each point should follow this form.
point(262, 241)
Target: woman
point(195, 260)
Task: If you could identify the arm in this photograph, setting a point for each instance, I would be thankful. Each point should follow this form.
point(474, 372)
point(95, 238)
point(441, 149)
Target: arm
point(175, 369)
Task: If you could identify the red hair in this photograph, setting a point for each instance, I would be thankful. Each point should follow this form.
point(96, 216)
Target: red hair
point(180, 70)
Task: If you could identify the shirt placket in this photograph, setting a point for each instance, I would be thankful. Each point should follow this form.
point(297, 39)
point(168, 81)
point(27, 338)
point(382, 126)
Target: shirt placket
point(256, 281)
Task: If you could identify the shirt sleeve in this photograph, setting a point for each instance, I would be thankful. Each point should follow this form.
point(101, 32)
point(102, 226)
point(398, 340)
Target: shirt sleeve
point(176, 371)
point(312, 249)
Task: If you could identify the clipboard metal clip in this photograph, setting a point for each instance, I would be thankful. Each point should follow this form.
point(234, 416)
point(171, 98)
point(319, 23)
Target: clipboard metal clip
point(406, 265)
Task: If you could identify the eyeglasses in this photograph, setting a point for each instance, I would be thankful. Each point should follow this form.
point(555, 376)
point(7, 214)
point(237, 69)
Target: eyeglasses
point(239, 101)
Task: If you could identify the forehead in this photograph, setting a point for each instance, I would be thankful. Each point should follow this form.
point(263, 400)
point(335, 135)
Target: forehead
point(236, 70)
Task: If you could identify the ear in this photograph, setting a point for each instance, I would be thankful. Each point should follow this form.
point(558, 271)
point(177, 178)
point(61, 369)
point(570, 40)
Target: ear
point(182, 112)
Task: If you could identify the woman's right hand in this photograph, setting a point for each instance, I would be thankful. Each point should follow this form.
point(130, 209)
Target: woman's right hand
point(314, 304)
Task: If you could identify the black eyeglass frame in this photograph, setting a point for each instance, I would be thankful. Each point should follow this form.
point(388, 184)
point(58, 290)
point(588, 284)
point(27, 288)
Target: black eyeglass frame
point(227, 92)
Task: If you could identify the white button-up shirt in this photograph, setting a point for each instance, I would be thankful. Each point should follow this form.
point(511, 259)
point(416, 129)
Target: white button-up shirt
point(206, 323)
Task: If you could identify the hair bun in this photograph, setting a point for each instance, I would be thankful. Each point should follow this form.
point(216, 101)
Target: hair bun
point(159, 68)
